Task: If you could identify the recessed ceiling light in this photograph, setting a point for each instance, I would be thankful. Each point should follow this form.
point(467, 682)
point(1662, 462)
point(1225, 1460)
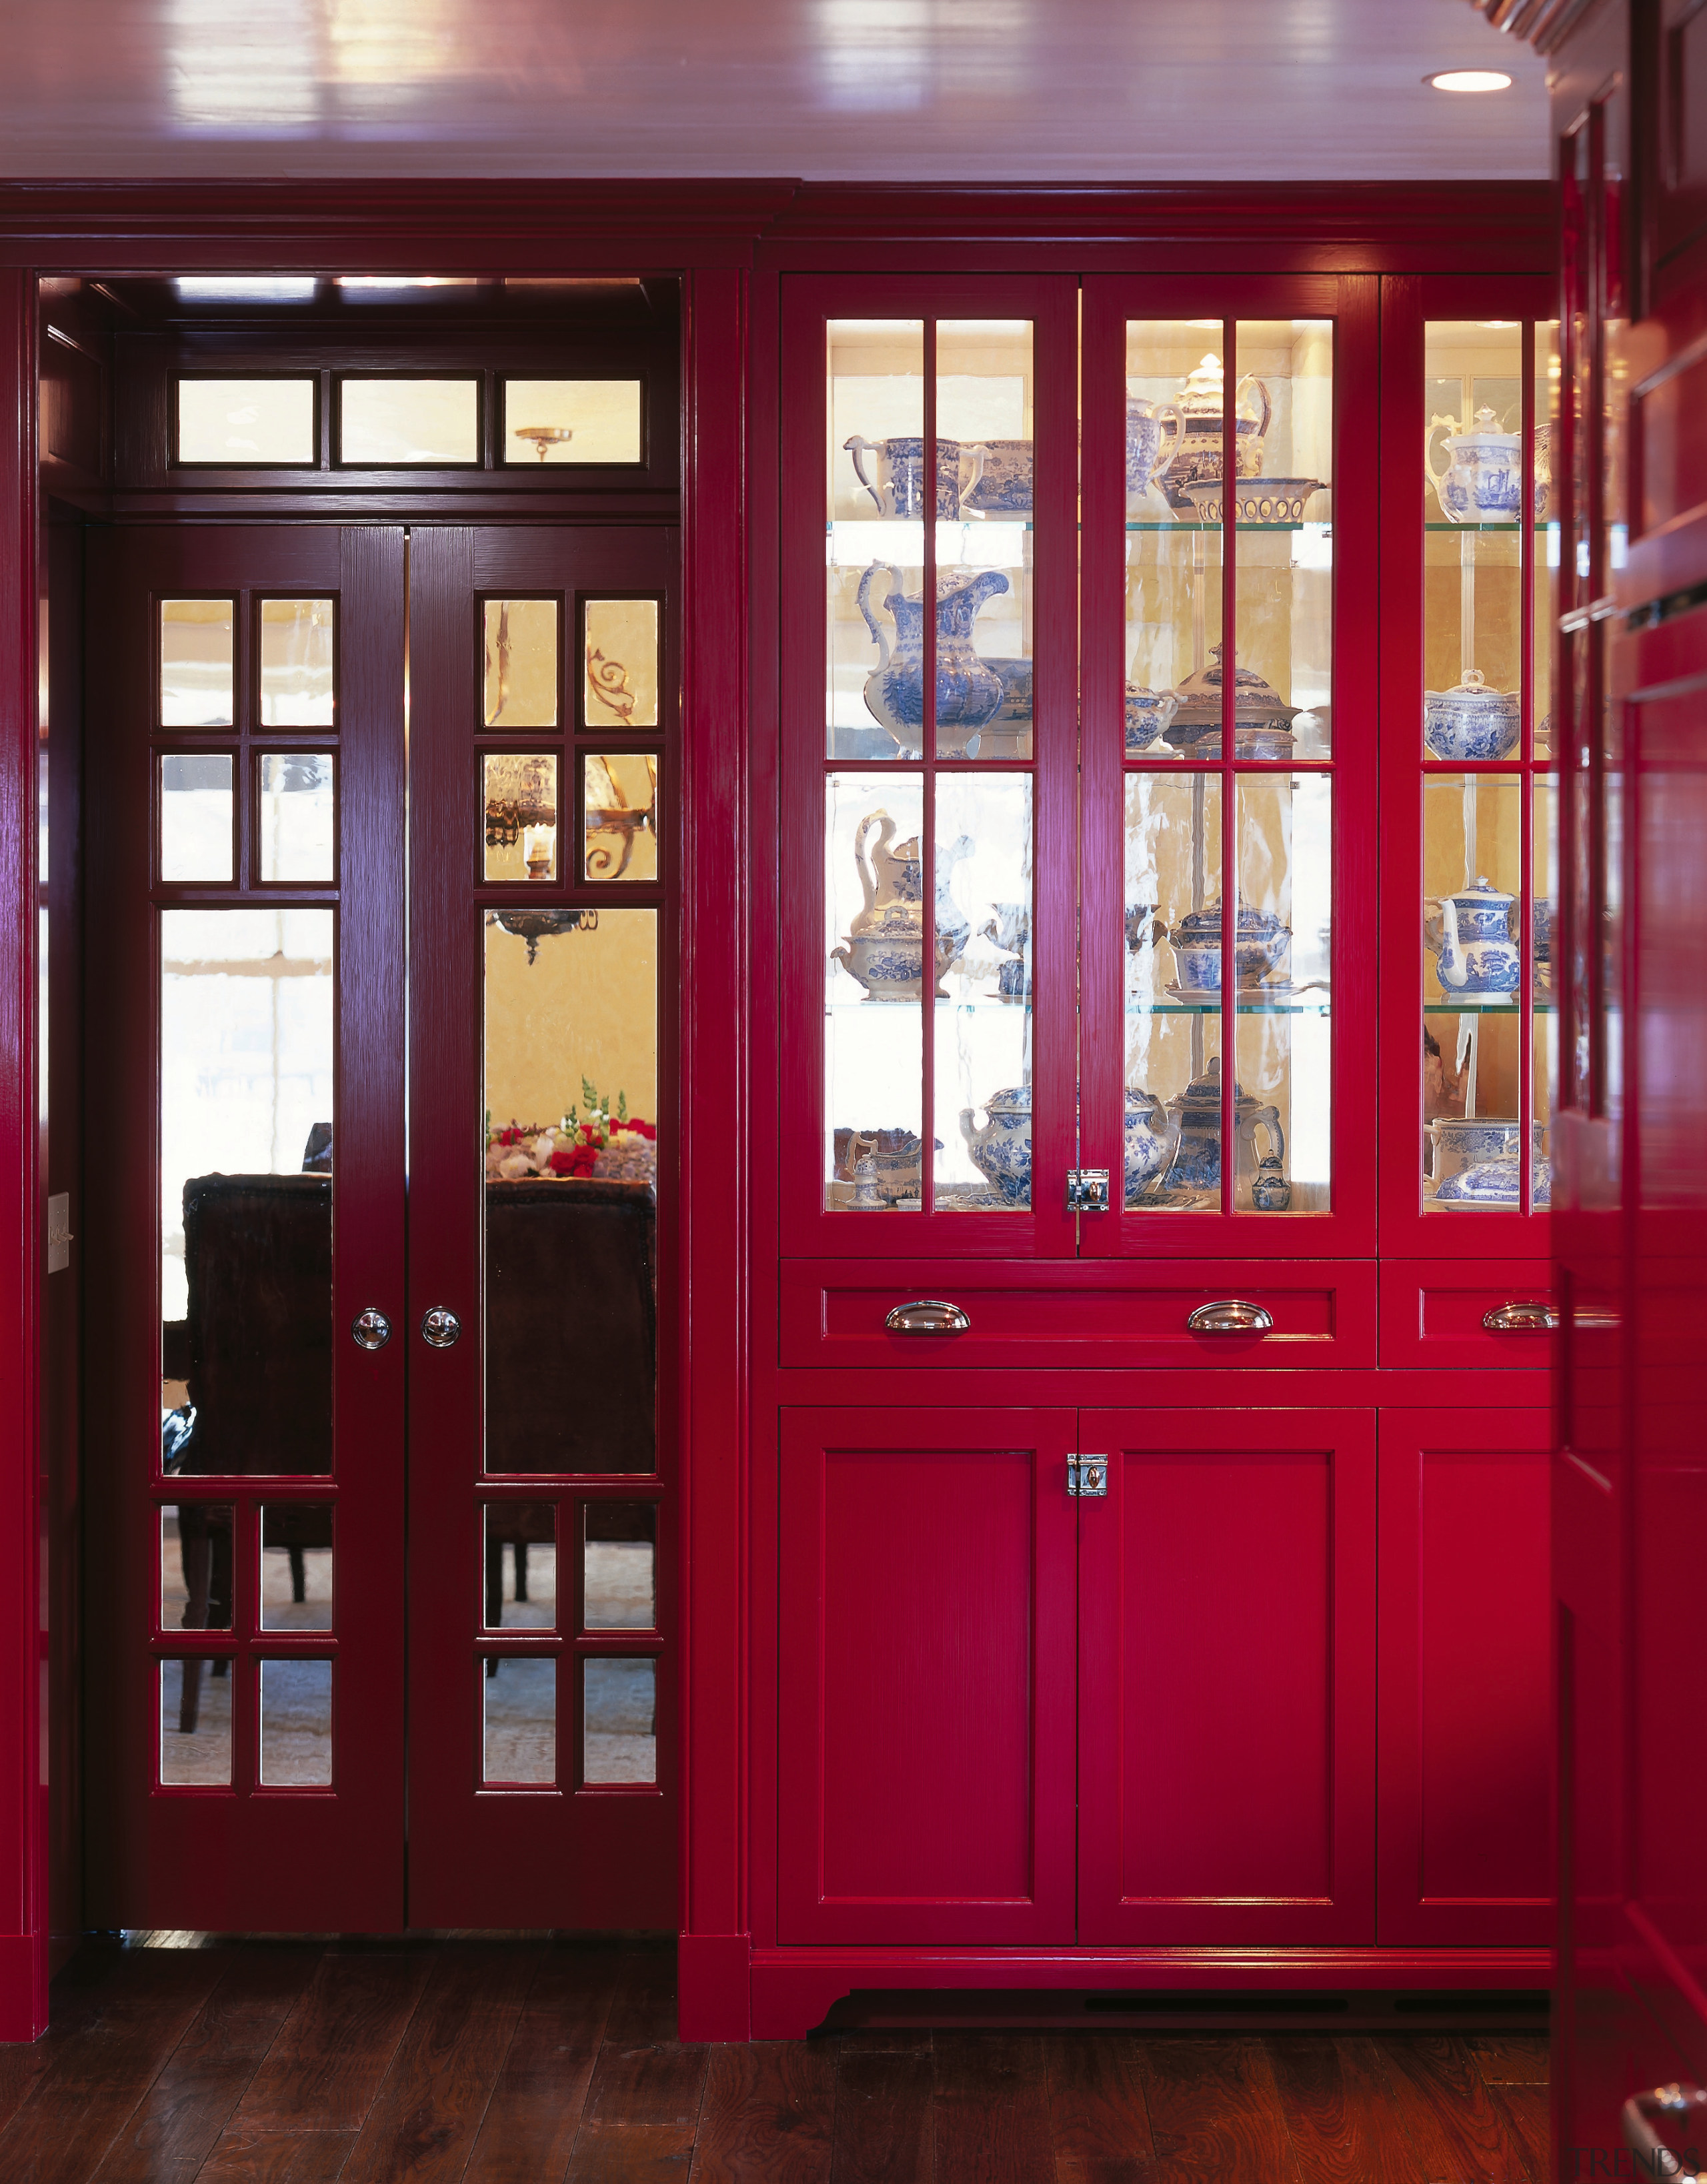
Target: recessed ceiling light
point(242, 289)
point(363, 281)
point(1470, 80)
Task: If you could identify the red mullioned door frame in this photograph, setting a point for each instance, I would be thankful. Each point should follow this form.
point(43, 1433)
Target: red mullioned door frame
point(731, 240)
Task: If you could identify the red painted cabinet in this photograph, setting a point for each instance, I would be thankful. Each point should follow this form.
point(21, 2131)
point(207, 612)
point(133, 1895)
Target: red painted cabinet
point(1464, 1750)
point(1164, 1011)
point(1226, 1693)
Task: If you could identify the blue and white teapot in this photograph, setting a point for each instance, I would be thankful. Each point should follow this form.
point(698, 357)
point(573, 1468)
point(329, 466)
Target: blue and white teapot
point(1149, 1134)
point(1471, 934)
point(1483, 482)
point(1002, 1150)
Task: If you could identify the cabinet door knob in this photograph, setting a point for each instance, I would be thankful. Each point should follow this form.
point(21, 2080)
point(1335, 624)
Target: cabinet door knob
point(1653, 2158)
point(1231, 1316)
point(440, 1327)
point(1520, 1319)
point(927, 1315)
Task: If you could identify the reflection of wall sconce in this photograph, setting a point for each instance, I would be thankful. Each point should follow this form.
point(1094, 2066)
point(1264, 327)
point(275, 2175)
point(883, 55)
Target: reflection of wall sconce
point(534, 925)
point(521, 800)
point(608, 681)
point(607, 814)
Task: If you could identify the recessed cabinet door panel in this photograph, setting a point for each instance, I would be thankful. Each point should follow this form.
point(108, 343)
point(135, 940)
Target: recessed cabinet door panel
point(927, 1716)
point(1227, 1737)
point(1465, 1677)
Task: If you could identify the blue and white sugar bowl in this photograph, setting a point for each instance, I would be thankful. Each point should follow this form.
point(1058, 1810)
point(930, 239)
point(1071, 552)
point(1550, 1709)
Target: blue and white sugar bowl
point(1002, 1150)
point(1469, 722)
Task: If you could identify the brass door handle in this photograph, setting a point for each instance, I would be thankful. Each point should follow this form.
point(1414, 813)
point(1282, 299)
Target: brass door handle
point(1653, 2158)
point(1520, 1319)
point(1230, 1315)
point(927, 1315)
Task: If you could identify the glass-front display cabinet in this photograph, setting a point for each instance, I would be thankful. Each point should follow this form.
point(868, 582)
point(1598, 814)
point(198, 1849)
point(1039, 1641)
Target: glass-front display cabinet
point(1079, 750)
point(1470, 719)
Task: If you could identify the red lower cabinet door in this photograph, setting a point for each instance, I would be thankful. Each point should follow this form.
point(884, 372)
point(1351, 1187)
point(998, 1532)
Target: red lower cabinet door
point(1464, 1679)
point(1227, 1750)
point(926, 1736)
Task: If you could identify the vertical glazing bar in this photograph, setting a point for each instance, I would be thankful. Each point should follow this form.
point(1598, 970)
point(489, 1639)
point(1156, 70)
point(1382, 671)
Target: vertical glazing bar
point(1229, 664)
point(929, 468)
point(1525, 935)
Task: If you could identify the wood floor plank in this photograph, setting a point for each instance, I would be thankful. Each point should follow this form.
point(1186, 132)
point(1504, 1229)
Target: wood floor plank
point(883, 2131)
point(531, 2121)
point(334, 2050)
point(1449, 2115)
point(429, 2110)
point(990, 2113)
point(1215, 2112)
point(1339, 2110)
point(1528, 2110)
point(1098, 2119)
point(278, 2157)
point(75, 1996)
point(175, 2126)
point(643, 2106)
point(79, 2105)
point(767, 2114)
point(1511, 2058)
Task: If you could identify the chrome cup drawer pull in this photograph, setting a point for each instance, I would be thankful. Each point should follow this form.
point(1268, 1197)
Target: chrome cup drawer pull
point(927, 1315)
point(1231, 1316)
point(370, 1329)
point(1653, 2158)
point(1520, 1319)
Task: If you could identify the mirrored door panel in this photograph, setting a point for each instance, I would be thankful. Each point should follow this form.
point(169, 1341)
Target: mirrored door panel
point(246, 1734)
point(543, 1690)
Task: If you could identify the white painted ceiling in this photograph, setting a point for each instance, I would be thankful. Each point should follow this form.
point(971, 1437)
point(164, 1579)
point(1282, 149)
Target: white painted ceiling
point(1149, 91)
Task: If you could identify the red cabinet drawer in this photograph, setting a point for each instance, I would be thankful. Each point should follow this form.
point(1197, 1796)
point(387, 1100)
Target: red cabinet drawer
point(1445, 1313)
point(1075, 1313)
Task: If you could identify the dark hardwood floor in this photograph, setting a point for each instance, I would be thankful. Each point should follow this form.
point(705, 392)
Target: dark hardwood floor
point(522, 2063)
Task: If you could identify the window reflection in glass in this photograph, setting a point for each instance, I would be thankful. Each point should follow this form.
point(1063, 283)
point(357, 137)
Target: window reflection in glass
point(572, 420)
point(236, 422)
point(619, 1566)
point(196, 810)
point(196, 663)
point(298, 663)
point(620, 815)
point(297, 816)
point(521, 814)
point(388, 421)
point(520, 1566)
point(196, 1573)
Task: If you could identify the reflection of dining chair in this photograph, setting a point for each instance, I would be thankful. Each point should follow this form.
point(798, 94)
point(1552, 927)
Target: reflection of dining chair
point(256, 1350)
point(572, 1348)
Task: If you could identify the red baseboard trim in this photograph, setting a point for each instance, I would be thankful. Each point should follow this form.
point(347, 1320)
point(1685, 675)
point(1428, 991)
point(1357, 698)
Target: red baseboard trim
point(793, 1990)
point(715, 1986)
point(23, 1987)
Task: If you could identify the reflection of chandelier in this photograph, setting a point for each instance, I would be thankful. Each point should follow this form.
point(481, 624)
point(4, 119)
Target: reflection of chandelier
point(607, 813)
point(607, 679)
point(545, 437)
point(534, 925)
point(520, 793)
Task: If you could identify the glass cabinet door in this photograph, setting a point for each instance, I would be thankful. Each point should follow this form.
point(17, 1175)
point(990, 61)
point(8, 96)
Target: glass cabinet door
point(1485, 746)
point(943, 486)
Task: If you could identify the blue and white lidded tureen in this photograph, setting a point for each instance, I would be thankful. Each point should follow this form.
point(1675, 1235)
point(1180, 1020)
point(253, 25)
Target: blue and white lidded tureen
point(1497, 1182)
point(1261, 944)
point(1469, 722)
point(1002, 1150)
point(1262, 719)
point(1148, 713)
point(1461, 1141)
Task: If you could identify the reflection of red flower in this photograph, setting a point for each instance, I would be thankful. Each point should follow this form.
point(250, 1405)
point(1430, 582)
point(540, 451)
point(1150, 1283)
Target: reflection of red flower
point(573, 1160)
point(641, 1129)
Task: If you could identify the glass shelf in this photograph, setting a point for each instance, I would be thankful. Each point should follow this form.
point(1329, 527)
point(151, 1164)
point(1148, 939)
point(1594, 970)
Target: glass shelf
point(1472, 1003)
point(1473, 527)
point(1293, 1008)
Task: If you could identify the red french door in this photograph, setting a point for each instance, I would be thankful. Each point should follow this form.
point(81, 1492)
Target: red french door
point(345, 1674)
point(541, 1743)
point(244, 1573)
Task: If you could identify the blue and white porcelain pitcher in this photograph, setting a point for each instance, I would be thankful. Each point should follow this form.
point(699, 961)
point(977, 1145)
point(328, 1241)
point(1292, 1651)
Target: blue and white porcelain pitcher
point(1471, 932)
point(968, 690)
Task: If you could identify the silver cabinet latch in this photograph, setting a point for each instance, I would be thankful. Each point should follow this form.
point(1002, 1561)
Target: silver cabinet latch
point(1088, 1475)
point(1087, 1190)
